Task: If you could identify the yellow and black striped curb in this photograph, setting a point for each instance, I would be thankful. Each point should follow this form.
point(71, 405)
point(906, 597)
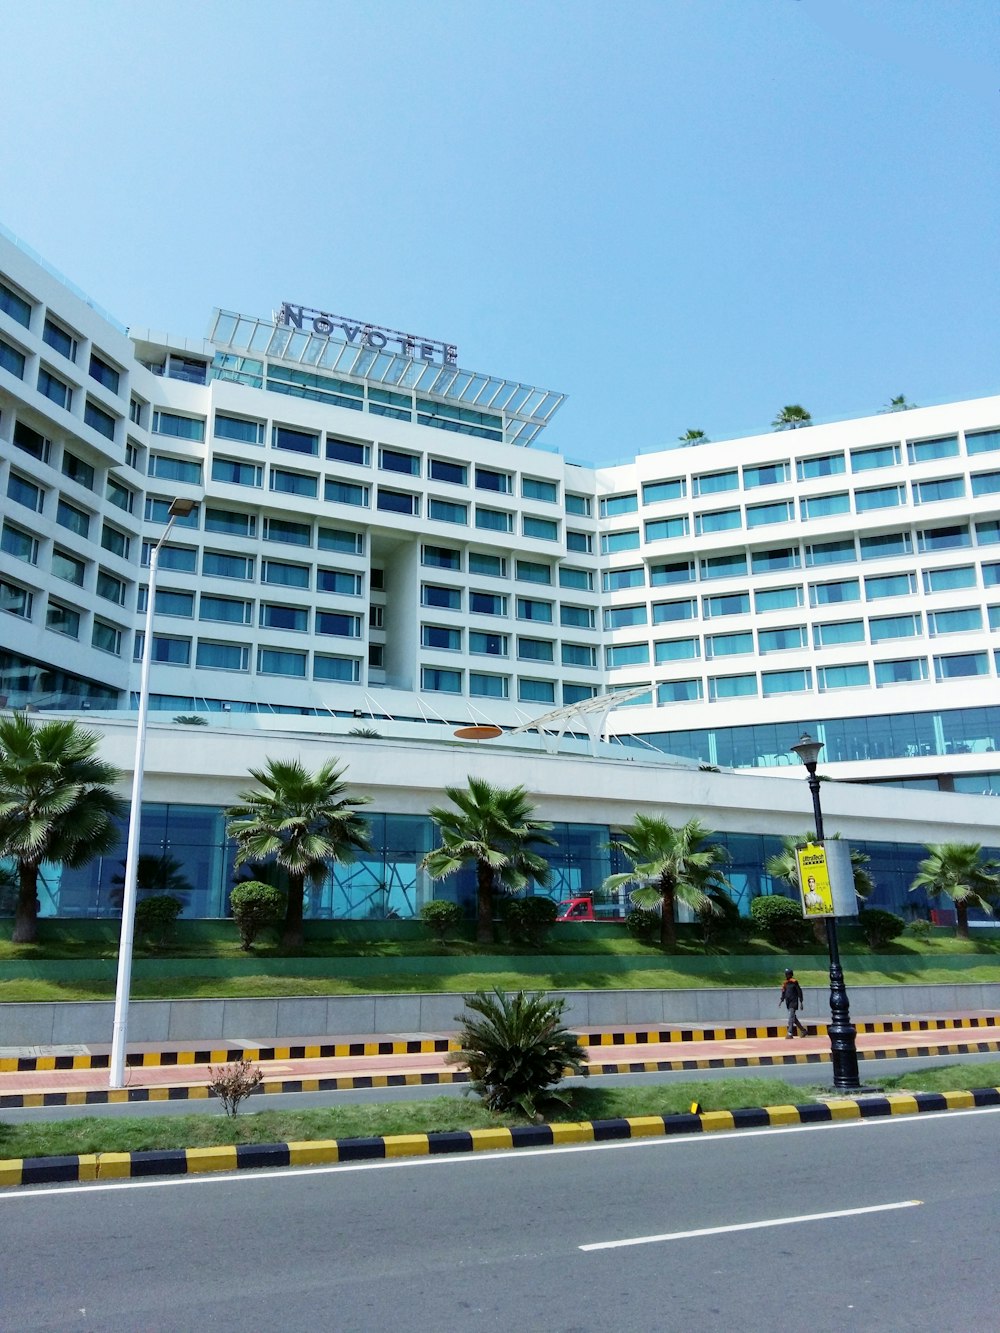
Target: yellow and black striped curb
point(432, 1078)
point(240, 1157)
point(217, 1055)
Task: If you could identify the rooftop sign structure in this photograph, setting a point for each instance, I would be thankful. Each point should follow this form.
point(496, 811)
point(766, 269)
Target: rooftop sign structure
point(363, 334)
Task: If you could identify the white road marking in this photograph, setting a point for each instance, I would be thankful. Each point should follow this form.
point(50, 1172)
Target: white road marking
point(749, 1226)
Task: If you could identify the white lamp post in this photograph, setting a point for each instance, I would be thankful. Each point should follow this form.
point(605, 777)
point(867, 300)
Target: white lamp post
point(178, 509)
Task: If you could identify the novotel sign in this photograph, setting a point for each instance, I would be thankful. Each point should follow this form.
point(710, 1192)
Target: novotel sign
point(362, 334)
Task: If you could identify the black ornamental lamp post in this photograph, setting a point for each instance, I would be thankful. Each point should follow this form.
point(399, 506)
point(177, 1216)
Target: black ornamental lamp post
point(842, 1030)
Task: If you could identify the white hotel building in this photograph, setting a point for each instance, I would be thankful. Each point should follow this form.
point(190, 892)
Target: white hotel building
point(380, 544)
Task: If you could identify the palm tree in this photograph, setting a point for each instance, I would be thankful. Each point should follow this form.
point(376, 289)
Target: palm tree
point(959, 871)
point(492, 828)
point(670, 865)
point(898, 404)
point(301, 821)
point(56, 804)
point(792, 417)
point(693, 437)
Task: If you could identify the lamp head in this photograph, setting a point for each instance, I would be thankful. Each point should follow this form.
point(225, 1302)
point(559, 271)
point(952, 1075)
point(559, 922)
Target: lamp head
point(807, 750)
point(180, 508)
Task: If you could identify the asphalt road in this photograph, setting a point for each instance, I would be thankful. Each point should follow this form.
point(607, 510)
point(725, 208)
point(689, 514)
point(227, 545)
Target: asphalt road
point(746, 1232)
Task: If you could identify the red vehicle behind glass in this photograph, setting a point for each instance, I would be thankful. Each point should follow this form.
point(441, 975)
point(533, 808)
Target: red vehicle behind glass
point(582, 907)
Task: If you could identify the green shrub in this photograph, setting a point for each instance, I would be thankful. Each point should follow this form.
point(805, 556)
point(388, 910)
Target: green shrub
point(528, 920)
point(256, 907)
point(517, 1050)
point(880, 927)
point(156, 916)
point(919, 928)
point(779, 920)
point(442, 917)
point(643, 924)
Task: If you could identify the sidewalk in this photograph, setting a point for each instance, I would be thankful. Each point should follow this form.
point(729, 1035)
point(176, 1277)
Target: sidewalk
point(177, 1071)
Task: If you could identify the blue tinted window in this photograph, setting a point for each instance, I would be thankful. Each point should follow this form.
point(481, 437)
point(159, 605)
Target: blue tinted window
point(982, 441)
point(654, 492)
point(613, 505)
point(678, 691)
point(777, 599)
point(866, 460)
point(879, 497)
point(731, 687)
point(785, 682)
point(889, 585)
point(235, 428)
point(663, 529)
point(924, 451)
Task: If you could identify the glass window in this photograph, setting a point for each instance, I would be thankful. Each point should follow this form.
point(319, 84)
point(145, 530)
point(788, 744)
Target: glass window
point(228, 610)
point(230, 521)
point(573, 692)
point(666, 612)
point(347, 451)
point(613, 505)
point(785, 682)
point(345, 493)
point(712, 483)
point(728, 604)
point(822, 465)
point(181, 428)
point(68, 516)
point(724, 566)
point(850, 677)
point(765, 474)
point(329, 667)
point(62, 620)
point(780, 640)
point(490, 645)
point(760, 516)
point(823, 506)
point(183, 559)
point(122, 498)
point(235, 428)
point(434, 594)
point(235, 473)
point(830, 553)
point(222, 656)
point(284, 530)
point(925, 451)
point(283, 574)
point(16, 601)
point(536, 650)
point(901, 671)
point(493, 565)
point(942, 488)
point(665, 529)
point(97, 419)
point(837, 632)
point(882, 455)
point(828, 594)
point(494, 520)
point(944, 580)
point(655, 492)
point(55, 389)
point(881, 628)
point(781, 557)
point(675, 650)
point(530, 609)
point(171, 602)
point(104, 373)
point(619, 617)
point(543, 529)
point(82, 473)
point(982, 441)
point(340, 539)
point(879, 497)
point(296, 442)
point(578, 655)
point(281, 662)
point(728, 645)
point(395, 460)
point(14, 305)
point(487, 604)
point(994, 616)
point(889, 585)
point(31, 442)
point(167, 649)
point(956, 665)
point(107, 638)
point(678, 691)
point(534, 488)
point(441, 557)
point(445, 511)
point(158, 511)
point(65, 566)
point(293, 483)
point(577, 617)
point(225, 566)
point(579, 541)
point(578, 504)
point(633, 577)
point(536, 691)
point(888, 544)
point(440, 681)
point(581, 579)
point(626, 654)
point(338, 624)
point(720, 520)
point(488, 480)
point(530, 571)
point(955, 622)
point(985, 483)
point(731, 687)
point(174, 469)
point(444, 469)
point(988, 532)
point(21, 545)
point(11, 359)
point(108, 587)
point(944, 539)
point(398, 502)
point(24, 493)
point(611, 542)
point(339, 581)
point(991, 575)
point(777, 599)
point(440, 636)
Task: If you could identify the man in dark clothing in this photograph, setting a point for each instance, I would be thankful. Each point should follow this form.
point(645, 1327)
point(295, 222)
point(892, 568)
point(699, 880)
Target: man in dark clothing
point(792, 999)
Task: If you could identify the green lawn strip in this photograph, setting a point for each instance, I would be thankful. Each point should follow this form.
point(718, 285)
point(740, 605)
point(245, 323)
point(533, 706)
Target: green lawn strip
point(946, 1078)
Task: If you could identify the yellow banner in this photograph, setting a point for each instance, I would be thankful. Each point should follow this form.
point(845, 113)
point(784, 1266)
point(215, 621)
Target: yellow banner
point(814, 880)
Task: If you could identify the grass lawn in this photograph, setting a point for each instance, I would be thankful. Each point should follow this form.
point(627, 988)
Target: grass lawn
point(99, 1134)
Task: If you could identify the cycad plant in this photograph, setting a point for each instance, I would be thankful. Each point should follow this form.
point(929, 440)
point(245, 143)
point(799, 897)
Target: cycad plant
point(516, 1050)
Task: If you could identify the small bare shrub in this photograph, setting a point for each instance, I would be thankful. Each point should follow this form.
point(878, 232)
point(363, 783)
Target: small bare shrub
point(231, 1083)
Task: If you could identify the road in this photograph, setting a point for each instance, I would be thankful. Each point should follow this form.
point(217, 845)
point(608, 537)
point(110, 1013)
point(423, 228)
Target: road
point(497, 1241)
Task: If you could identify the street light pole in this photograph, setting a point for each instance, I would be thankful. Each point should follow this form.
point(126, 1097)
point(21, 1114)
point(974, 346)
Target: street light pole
point(842, 1031)
point(178, 509)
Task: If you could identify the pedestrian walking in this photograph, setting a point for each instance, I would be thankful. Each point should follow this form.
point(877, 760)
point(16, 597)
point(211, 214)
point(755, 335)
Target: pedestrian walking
point(793, 1000)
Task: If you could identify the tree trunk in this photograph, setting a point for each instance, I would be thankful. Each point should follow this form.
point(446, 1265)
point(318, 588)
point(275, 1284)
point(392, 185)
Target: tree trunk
point(668, 926)
point(292, 937)
point(26, 912)
point(484, 903)
point(961, 921)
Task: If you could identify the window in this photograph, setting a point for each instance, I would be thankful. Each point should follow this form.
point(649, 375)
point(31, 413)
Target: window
point(68, 516)
point(988, 532)
point(108, 638)
point(535, 691)
point(83, 474)
point(544, 529)
point(765, 474)
point(398, 502)
point(536, 650)
point(529, 609)
point(888, 544)
point(720, 520)
point(943, 539)
point(284, 530)
point(172, 651)
point(340, 539)
point(434, 594)
point(580, 579)
point(15, 306)
point(579, 541)
point(443, 469)
point(104, 373)
point(633, 577)
point(821, 465)
point(728, 604)
point(494, 520)
point(62, 620)
point(293, 483)
point(529, 571)
point(281, 662)
point(133, 455)
point(620, 617)
point(850, 677)
point(488, 480)
point(678, 691)
point(925, 451)
point(957, 665)
point(21, 545)
point(777, 599)
point(724, 566)
point(347, 451)
point(665, 529)
point(16, 601)
point(944, 580)
point(439, 681)
point(728, 645)
point(487, 604)
point(985, 483)
point(982, 441)
point(55, 389)
point(394, 460)
point(222, 656)
point(578, 655)
point(338, 624)
point(183, 559)
point(675, 650)
point(781, 640)
point(991, 576)
point(785, 682)
point(781, 557)
point(490, 645)
point(445, 511)
point(942, 488)
point(836, 632)
point(171, 602)
point(712, 483)
point(123, 498)
point(181, 428)
point(955, 622)
point(229, 521)
point(295, 441)
point(576, 617)
point(328, 667)
point(440, 636)
point(829, 594)
point(901, 671)
point(441, 557)
point(284, 575)
point(103, 422)
point(574, 693)
point(31, 442)
point(339, 581)
point(534, 488)
point(666, 612)
point(626, 654)
point(11, 359)
point(760, 516)
point(879, 497)
point(236, 428)
point(225, 566)
point(882, 628)
point(174, 469)
point(614, 505)
point(345, 493)
point(830, 553)
point(158, 511)
point(883, 455)
point(823, 506)
point(731, 687)
point(578, 504)
point(24, 493)
point(226, 610)
point(234, 473)
point(66, 566)
point(655, 492)
point(889, 585)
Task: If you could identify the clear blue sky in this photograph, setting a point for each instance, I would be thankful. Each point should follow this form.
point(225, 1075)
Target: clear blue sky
point(682, 213)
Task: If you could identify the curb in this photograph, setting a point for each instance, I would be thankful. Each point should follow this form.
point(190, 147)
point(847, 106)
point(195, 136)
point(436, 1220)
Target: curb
point(240, 1157)
point(430, 1078)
